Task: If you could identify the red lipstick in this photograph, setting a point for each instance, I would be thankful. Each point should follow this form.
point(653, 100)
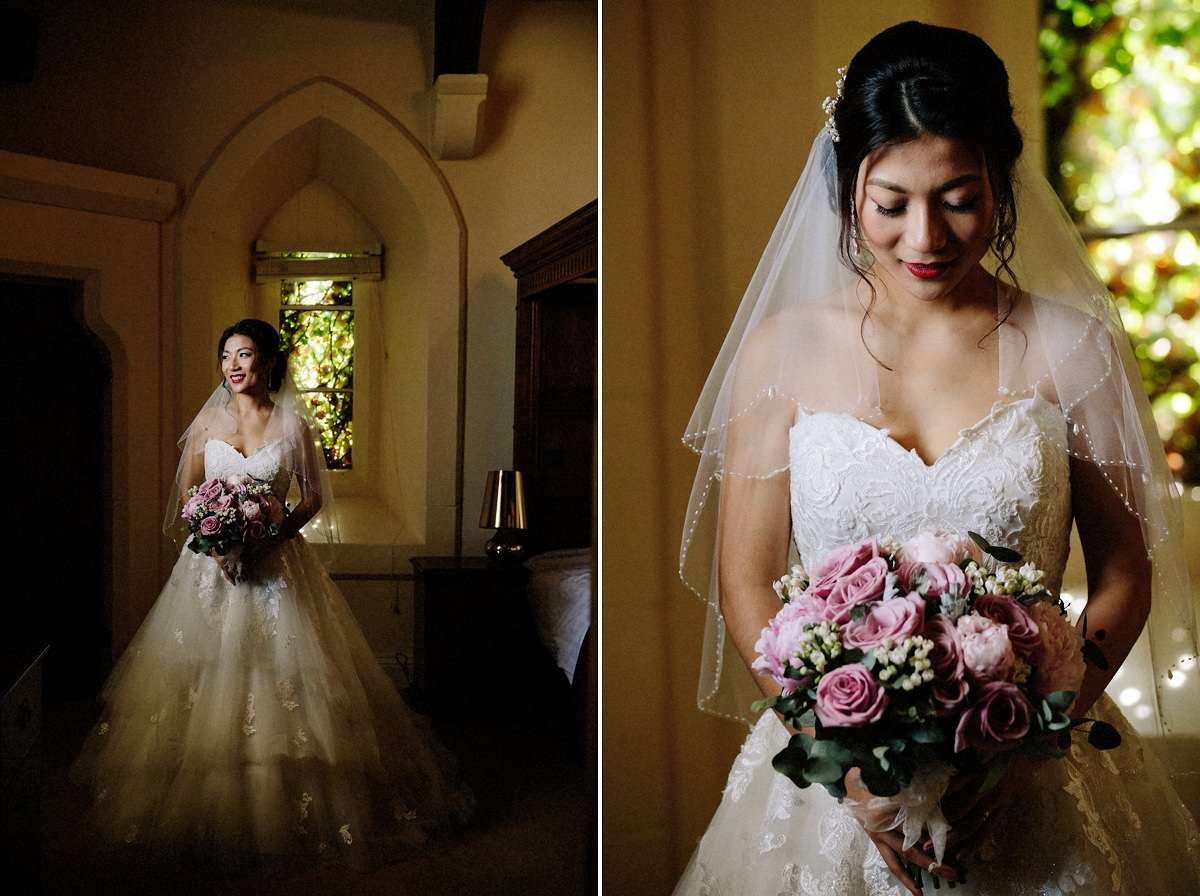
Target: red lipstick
point(927, 271)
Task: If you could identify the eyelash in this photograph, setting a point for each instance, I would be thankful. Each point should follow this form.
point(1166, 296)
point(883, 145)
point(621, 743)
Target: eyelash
point(961, 208)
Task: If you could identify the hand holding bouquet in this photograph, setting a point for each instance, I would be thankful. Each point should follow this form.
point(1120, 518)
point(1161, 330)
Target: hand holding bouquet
point(227, 517)
point(915, 662)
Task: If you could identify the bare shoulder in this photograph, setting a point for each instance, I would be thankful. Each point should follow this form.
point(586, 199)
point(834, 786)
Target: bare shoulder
point(1059, 337)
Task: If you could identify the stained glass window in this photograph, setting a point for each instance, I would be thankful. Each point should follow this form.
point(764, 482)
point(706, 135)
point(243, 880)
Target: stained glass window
point(1122, 82)
point(316, 325)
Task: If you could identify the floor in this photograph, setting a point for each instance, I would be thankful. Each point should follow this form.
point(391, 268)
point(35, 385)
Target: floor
point(534, 831)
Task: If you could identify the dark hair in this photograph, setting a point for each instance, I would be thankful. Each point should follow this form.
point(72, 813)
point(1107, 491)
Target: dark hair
point(914, 79)
point(266, 340)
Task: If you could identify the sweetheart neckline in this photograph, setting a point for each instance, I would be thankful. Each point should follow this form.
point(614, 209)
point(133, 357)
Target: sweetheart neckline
point(886, 435)
point(239, 453)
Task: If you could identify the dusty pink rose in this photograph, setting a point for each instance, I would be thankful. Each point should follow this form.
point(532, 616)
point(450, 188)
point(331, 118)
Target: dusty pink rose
point(840, 563)
point(1059, 658)
point(986, 651)
point(950, 686)
point(1022, 630)
point(210, 526)
point(251, 510)
point(936, 546)
point(850, 697)
point(998, 721)
point(865, 584)
point(221, 502)
point(208, 490)
point(193, 504)
point(779, 639)
point(933, 579)
point(889, 620)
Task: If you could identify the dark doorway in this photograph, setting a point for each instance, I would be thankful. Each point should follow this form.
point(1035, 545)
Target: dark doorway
point(59, 516)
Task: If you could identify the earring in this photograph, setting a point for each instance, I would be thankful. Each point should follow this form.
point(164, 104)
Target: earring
point(856, 249)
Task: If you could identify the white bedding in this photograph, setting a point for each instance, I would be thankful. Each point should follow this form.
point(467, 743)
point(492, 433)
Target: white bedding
point(560, 593)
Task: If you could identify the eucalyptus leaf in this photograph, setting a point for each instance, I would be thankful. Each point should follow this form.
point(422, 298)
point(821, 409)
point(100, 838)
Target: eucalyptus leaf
point(995, 771)
point(880, 782)
point(1060, 701)
point(928, 734)
point(819, 770)
point(1004, 555)
point(766, 703)
point(790, 763)
point(1103, 736)
point(828, 749)
point(1094, 655)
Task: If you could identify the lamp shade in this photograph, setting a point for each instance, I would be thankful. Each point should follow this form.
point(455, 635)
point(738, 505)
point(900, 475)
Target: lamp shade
point(503, 501)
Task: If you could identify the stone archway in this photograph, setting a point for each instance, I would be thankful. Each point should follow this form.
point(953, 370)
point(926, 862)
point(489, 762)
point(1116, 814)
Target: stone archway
point(282, 145)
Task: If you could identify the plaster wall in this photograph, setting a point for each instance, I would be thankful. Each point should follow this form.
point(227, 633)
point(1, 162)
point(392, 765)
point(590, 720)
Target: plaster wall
point(172, 92)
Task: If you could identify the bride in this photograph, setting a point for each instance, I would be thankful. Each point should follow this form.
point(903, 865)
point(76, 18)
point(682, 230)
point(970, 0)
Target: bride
point(923, 346)
point(248, 719)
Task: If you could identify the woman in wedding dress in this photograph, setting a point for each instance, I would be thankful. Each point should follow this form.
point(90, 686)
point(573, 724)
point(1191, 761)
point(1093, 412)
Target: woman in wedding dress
point(248, 720)
point(924, 346)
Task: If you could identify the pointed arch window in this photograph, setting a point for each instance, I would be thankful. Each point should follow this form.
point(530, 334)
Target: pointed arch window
point(317, 328)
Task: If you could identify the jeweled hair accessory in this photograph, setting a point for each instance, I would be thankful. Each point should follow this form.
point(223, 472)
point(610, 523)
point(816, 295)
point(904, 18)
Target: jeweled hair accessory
point(829, 104)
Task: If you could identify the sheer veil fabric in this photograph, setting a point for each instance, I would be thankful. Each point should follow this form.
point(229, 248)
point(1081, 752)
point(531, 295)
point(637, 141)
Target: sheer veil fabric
point(798, 345)
point(291, 424)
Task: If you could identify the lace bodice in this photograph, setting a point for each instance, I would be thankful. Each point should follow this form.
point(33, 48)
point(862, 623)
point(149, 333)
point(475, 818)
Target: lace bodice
point(1006, 477)
point(264, 464)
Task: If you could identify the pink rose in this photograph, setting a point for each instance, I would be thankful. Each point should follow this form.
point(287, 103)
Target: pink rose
point(193, 504)
point(850, 697)
point(209, 489)
point(250, 510)
point(1059, 658)
point(933, 579)
point(210, 526)
point(950, 686)
point(998, 721)
point(1022, 630)
point(936, 546)
point(840, 563)
point(221, 502)
point(865, 584)
point(889, 620)
point(986, 651)
point(780, 637)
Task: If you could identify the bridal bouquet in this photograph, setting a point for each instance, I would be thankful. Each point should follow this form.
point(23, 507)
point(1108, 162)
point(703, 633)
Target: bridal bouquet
point(914, 662)
point(229, 514)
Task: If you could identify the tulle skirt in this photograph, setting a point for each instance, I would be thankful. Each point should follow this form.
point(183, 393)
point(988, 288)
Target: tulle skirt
point(252, 723)
point(1092, 823)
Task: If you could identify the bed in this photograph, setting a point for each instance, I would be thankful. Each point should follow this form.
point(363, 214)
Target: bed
point(554, 427)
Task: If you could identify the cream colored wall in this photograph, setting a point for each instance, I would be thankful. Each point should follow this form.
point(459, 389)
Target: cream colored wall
point(709, 111)
point(167, 91)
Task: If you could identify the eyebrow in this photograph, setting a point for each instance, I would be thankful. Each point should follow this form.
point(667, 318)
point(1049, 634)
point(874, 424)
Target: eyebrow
point(946, 187)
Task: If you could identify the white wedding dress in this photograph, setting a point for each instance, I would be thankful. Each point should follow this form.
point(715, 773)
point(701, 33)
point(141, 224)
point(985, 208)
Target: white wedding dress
point(1091, 823)
point(252, 721)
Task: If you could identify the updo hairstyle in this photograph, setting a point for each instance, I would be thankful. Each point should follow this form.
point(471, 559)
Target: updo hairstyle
point(266, 340)
point(914, 79)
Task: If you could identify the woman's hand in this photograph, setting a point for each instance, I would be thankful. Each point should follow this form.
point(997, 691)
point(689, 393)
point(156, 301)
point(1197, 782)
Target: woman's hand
point(974, 814)
point(891, 845)
point(231, 564)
